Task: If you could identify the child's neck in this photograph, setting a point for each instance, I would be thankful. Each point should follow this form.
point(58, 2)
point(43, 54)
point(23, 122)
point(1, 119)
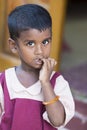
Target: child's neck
point(27, 77)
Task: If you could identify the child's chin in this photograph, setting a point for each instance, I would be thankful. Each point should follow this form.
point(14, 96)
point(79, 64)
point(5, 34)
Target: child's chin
point(38, 67)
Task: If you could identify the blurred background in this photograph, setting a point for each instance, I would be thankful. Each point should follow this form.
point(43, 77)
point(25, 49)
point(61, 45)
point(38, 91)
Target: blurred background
point(73, 63)
point(69, 47)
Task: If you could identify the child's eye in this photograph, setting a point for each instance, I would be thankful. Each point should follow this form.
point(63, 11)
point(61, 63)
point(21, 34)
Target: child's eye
point(45, 42)
point(30, 43)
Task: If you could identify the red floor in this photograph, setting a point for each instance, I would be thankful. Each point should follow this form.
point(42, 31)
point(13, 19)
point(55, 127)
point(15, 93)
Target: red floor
point(79, 122)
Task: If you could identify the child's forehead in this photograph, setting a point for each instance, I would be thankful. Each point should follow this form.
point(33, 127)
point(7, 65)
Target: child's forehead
point(35, 32)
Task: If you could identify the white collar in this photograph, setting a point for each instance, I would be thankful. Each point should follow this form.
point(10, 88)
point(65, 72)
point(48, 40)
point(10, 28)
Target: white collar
point(13, 83)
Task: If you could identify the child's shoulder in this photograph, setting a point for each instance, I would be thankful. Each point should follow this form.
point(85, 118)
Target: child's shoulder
point(58, 77)
point(2, 74)
point(55, 74)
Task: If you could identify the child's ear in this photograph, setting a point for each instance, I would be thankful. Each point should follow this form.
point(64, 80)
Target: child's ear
point(12, 45)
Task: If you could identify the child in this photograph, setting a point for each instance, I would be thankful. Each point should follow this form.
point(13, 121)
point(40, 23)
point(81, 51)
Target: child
point(32, 95)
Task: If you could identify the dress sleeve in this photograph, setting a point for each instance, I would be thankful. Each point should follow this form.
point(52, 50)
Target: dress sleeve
point(62, 89)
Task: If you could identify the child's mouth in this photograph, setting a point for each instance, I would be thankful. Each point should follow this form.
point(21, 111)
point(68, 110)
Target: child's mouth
point(38, 61)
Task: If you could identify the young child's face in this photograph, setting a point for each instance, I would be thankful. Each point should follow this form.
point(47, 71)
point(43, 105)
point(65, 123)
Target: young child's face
point(34, 45)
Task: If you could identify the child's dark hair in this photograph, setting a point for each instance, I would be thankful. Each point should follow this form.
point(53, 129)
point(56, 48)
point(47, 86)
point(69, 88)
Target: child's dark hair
point(28, 16)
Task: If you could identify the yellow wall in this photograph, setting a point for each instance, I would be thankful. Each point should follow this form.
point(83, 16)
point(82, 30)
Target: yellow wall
point(58, 11)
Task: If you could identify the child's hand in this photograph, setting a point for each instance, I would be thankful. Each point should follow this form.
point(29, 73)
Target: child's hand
point(46, 70)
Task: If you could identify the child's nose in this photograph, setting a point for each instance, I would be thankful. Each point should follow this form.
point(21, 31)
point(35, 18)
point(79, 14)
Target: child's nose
point(38, 50)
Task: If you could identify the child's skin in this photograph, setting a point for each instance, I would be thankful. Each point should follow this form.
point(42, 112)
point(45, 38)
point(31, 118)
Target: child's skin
point(33, 47)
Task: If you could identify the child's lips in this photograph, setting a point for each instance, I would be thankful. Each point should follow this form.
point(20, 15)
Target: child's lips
point(38, 61)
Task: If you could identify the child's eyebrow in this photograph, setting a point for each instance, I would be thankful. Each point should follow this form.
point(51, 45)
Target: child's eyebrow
point(48, 38)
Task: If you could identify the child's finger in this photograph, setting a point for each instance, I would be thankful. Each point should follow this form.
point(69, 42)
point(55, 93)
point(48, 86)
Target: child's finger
point(53, 62)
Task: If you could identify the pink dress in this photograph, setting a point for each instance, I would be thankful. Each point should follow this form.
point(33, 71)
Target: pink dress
point(23, 114)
